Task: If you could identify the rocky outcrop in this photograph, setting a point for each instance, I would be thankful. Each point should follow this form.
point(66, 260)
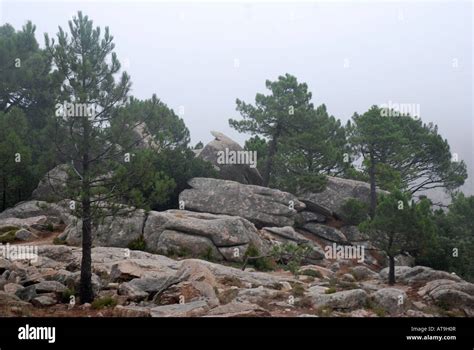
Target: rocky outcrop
point(12, 301)
point(330, 201)
point(145, 284)
point(260, 205)
point(111, 231)
point(143, 138)
point(31, 220)
point(163, 287)
point(399, 271)
point(353, 235)
point(404, 260)
point(53, 186)
point(444, 284)
point(362, 273)
point(243, 173)
point(288, 234)
point(448, 293)
point(194, 308)
point(391, 300)
point(306, 216)
point(285, 234)
point(173, 232)
point(327, 233)
point(235, 309)
point(61, 183)
point(345, 300)
point(201, 234)
point(417, 274)
point(221, 221)
point(30, 213)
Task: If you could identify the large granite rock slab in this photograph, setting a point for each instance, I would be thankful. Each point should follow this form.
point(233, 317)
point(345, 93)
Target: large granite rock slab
point(201, 234)
point(335, 195)
point(243, 173)
point(260, 205)
point(53, 186)
point(287, 234)
point(30, 213)
point(112, 231)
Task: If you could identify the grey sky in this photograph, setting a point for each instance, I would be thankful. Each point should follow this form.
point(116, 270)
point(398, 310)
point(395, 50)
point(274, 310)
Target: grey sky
point(202, 56)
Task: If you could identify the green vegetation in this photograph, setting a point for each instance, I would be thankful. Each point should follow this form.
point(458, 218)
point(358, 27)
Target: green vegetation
point(137, 152)
point(354, 211)
point(104, 302)
point(8, 237)
point(59, 241)
point(66, 295)
point(377, 309)
point(182, 252)
point(208, 255)
point(137, 244)
point(399, 226)
point(451, 248)
point(400, 152)
point(312, 273)
point(441, 239)
point(159, 176)
point(296, 143)
point(27, 95)
point(5, 229)
point(274, 116)
point(297, 290)
point(290, 255)
point(324, 311)
point(254, 258)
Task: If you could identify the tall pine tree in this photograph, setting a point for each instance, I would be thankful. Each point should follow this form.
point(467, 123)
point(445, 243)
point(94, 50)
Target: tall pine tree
point(88, 65)
point(275, 115)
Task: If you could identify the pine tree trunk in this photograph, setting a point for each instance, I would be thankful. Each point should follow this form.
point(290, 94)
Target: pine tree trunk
point(86, 293)
point(373, 192)
point(272, 148)
point(391, 270)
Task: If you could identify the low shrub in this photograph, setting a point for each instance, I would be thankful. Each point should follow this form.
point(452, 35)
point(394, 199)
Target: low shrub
point(103, 303)
point(354, 211)
point(8, 237)
point(260, 263)
point(312, 273)
point(137, 244)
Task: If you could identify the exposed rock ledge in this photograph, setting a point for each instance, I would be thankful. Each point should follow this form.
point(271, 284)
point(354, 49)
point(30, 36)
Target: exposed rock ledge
point(260, 205)
point(145, 284)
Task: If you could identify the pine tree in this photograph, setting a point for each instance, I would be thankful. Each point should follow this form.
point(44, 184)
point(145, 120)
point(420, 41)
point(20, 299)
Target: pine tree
point(15, 158)
point(28, 87)
point(160, 126)
point(400, 152)
point(315, 148)
point(376, 138)
point(399, 227)
point(88, 66)
point(274, 116)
